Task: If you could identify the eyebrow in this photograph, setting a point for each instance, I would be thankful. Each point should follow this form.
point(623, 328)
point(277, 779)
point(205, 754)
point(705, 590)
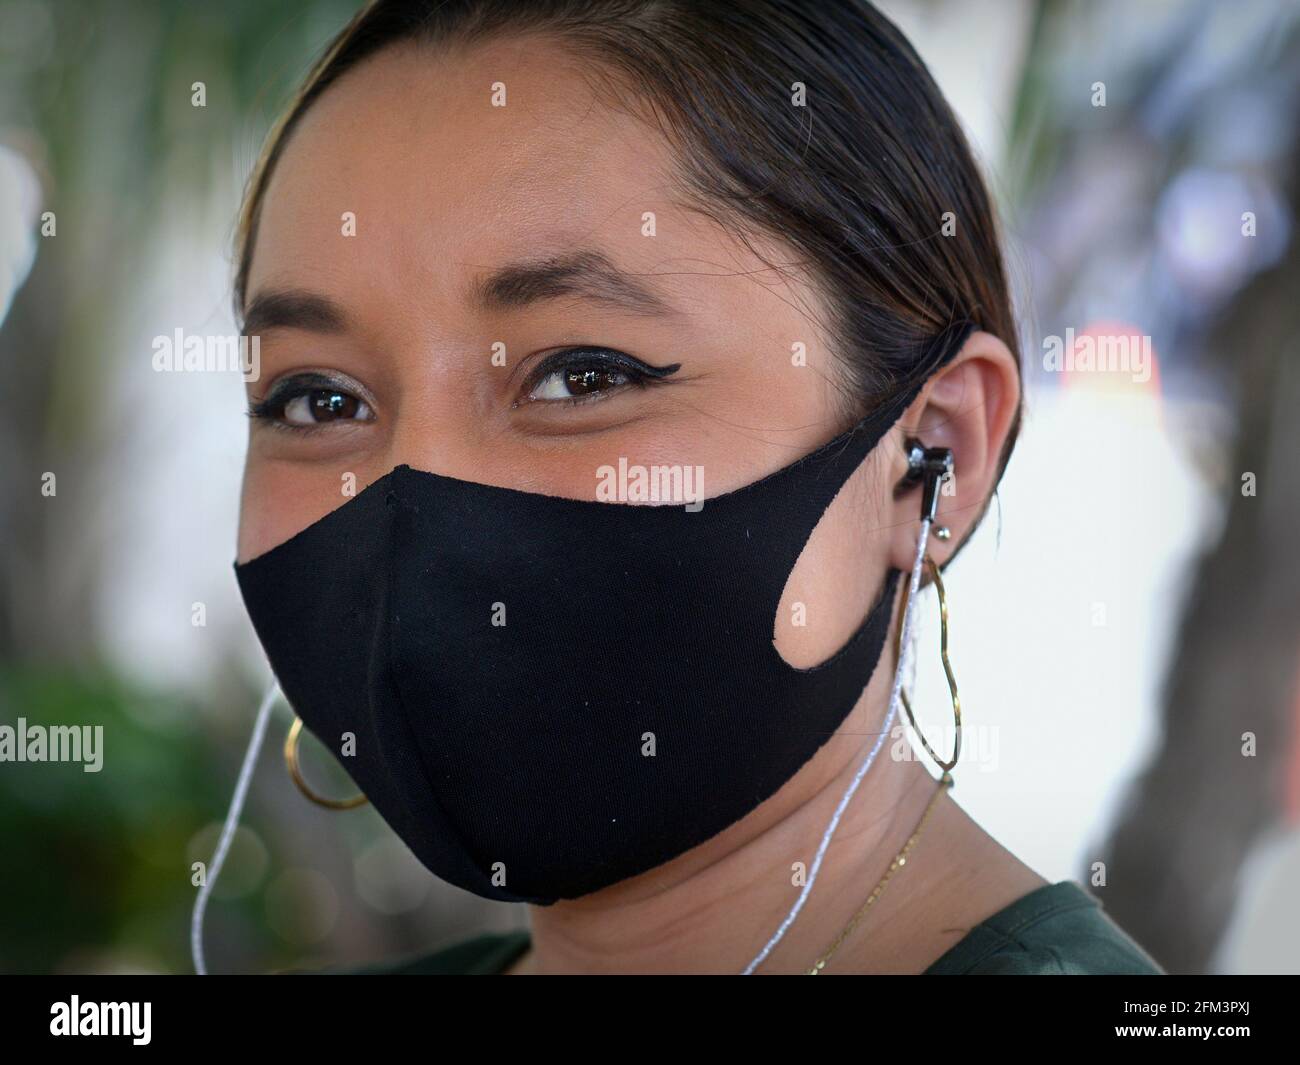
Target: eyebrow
point(293, 309)
point(586, 274)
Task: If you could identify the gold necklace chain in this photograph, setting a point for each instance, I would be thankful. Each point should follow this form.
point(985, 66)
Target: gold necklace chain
point(900, 860)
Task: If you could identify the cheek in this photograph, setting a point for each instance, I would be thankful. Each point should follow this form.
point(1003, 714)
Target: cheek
point(835, 581)
point(262, 524)
point(279, 500)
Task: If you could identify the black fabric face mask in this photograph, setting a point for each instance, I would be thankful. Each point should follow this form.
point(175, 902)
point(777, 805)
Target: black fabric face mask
point(632, 705)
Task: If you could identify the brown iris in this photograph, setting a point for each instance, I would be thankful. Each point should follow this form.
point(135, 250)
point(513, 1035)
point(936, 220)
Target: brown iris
point(585, 380)
point(329, 405)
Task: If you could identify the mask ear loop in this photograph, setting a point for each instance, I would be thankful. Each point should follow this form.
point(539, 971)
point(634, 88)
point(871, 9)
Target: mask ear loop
point(228, 829)
point(932, 465)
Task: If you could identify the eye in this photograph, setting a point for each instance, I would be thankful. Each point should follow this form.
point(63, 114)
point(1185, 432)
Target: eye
point(582, 374)
point(309, 401)
point(578, 381)
point(323, 405)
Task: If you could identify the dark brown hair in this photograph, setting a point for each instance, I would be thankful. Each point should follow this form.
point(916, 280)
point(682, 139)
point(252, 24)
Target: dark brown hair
point(859, 181)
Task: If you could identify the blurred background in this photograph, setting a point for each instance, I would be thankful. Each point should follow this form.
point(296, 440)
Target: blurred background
point(1126, 625)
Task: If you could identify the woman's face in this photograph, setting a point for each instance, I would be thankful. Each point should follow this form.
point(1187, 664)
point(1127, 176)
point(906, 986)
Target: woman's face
point(487, 241)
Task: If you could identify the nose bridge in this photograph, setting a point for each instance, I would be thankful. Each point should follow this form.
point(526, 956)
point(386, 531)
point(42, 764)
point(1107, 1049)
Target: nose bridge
point(438, 407)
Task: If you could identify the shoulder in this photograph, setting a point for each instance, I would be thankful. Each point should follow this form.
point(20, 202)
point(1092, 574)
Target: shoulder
point(1056, 929)
point(487, 954)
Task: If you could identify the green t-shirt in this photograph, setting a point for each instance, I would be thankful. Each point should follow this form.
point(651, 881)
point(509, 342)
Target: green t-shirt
point(1056, 929)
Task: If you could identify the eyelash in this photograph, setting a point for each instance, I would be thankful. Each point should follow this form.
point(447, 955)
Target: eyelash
point(271, 408)
point(640, 374)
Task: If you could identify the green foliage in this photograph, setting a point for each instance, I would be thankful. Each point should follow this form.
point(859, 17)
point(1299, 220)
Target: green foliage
point(96, 865)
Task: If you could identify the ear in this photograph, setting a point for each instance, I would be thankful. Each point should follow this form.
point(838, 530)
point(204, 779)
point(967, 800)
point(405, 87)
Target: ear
point(968, 406)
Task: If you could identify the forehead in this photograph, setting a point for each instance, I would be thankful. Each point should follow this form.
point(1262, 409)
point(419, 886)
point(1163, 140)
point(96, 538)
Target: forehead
point(441, 181)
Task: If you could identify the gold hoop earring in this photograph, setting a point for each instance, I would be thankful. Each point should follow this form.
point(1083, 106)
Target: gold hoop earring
point(947, 667)
point(291, 760)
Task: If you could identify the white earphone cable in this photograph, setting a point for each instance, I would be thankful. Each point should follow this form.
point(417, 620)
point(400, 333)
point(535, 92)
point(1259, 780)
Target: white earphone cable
point(228, 830)
point(904, 655)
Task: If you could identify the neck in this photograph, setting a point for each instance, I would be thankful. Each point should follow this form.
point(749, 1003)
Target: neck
point(713, 909)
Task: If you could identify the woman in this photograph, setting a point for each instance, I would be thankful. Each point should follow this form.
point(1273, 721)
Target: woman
point(614, 357)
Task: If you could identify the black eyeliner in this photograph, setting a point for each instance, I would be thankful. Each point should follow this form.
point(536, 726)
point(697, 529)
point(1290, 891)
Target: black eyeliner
point(292, 387)
point(605, 357)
